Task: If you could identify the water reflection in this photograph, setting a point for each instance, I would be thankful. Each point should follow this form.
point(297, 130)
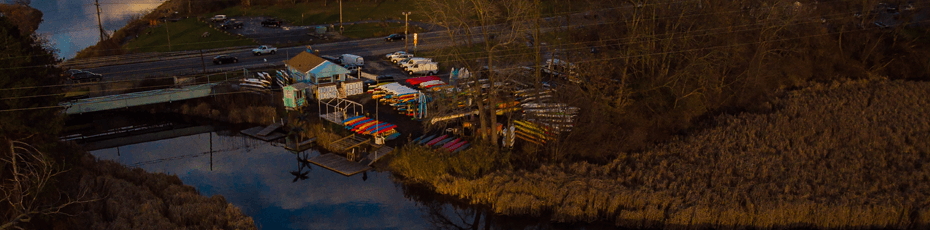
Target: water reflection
point(281, 190)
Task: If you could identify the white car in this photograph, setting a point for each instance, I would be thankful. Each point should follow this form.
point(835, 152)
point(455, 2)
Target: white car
point(218, 18)
point(390, 55)
point(399, 57)
point(265, 49)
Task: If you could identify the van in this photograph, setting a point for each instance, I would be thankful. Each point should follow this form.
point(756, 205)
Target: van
point(428, 68)
point(351, 59)
point(413, 61)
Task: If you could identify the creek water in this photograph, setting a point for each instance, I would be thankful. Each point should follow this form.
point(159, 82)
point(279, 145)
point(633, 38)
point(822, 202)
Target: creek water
point(262, 179)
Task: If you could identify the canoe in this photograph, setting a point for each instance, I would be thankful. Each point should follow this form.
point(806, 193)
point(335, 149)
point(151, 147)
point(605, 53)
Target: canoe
point(381, 127)
point(463, 147)
point(385, 129)
point(365, 129)
point(440, 143)
point(418, 138)
point(392, 136)
point(363, 126)
point(351, 119)
point(358, 122)
point(453, 147)
point(424, 140)
point(453, 142)
point(434, 141)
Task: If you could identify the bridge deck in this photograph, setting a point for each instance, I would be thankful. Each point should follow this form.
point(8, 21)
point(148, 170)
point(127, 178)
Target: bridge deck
point(103, 103)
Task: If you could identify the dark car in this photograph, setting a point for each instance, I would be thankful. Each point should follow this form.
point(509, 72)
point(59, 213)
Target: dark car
point(231, 24)
point(332, 59)
point(381, 79)
point(84, 76)
point(271, 22)
point(394, 37)
point(223, 59)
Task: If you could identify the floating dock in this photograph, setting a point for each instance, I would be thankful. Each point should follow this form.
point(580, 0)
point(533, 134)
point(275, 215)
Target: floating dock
point(339, 164)
point(265, 133)
point(349, 142)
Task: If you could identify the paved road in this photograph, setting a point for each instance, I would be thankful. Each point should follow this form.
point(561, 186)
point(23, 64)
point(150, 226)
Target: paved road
point(364, 47)
point(193, 65)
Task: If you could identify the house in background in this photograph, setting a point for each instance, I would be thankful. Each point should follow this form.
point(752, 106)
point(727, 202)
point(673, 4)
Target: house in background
point(309, 68)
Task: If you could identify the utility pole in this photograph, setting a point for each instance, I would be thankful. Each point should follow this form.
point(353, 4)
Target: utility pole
point(203, 63)
point(406, 14)
point(168, 34)
point(341, 29)
point(103, 33)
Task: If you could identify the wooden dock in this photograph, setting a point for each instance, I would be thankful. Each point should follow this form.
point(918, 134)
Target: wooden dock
point(349, 142)
point(304, 145)
point(339, 164)
point(377, 155)
point(264, 133)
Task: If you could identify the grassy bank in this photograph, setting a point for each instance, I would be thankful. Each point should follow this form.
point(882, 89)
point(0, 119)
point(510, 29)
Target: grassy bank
point(185, 34)
point(836, 155)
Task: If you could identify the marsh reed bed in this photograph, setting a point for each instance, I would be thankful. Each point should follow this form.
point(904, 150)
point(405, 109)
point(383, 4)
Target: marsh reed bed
point(849, 155)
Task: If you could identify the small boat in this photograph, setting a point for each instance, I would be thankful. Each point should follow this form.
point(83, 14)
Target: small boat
point(434, 141)
point(463, 147)
point(453, 142)
point(424, 140)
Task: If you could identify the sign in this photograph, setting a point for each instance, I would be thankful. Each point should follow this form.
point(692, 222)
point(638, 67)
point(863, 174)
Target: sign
point(414, 38)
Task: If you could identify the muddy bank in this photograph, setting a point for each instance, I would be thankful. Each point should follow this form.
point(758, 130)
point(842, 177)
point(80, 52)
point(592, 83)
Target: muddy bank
point(843, 155)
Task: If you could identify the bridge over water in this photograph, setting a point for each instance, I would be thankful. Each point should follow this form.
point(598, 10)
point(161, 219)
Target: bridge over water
point(126, 100)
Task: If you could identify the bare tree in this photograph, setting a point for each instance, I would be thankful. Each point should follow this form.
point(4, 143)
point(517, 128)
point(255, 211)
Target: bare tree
point(497, 24)
point(26, 192)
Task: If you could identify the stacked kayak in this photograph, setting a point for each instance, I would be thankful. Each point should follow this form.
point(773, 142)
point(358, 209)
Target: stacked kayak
point(443, 142)
point(368, 126)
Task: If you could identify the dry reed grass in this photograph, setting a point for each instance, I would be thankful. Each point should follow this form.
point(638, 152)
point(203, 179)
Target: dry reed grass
point(836, 155)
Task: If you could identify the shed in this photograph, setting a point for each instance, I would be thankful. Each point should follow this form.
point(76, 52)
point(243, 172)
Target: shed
point(295, 95)
point(326, 91)
point(310, 68)
point(353, 87)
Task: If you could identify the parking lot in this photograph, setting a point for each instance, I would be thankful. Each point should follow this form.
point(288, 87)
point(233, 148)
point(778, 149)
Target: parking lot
point(286, 34)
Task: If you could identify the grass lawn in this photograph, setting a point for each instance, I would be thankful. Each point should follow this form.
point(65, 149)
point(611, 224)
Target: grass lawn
point(185, 35)
point(314, 13)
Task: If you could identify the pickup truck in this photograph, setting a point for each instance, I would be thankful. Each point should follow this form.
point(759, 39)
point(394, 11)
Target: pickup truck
point(264, 50)
point(271, 22)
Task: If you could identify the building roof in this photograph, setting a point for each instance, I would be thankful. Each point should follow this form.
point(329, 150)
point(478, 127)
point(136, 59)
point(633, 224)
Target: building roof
point(304, 61)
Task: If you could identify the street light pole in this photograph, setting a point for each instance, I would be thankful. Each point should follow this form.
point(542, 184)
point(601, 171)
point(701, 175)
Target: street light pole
point(405, 30)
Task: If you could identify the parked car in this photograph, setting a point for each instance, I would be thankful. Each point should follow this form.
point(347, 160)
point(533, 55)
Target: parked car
point(400, 57)
point(265, 49)
point(353, 68)
point(346, 59)
point(231, 24)
point(223, 59)
point(272, 22)
point(332, 59)
point(84, 76)
point(394, 37)
point(218, 18)
point(381, 79)
point(390, 55)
